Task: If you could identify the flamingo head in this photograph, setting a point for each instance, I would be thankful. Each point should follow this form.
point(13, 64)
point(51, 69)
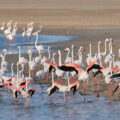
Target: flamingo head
point(66, 49)
point(32, 23)
point(12, 64)
point(49, 47)
point(30, 52)
point(36, 33)
point(57, 54)
point(4, 51)
point(82, 49)
point(88, 55)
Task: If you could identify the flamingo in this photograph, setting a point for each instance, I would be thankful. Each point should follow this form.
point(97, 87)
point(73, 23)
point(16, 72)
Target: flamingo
point(21, 60)
point(40, 48)
point(109, 57)
point(2, 27)
point(23, 33)
point(27, 93)
point(72, 53)
point(89, 58)
point(41, 73)
point(63, 88)
point(106, 40)
point(79, 62)
point(29, 30)
point(68, 59)
point(4, 62)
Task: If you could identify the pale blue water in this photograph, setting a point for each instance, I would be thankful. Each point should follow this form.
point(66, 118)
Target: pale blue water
point(39, 109)
point(12, 46)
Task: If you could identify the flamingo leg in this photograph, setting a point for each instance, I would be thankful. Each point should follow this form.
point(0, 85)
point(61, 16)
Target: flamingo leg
point(47, 77)
point(64, 97)
point(61, 80)
point(109, 93)
point(38, 66)
point(84, 92)
point(52, 98)
point(49, 99)
point(58, 79)
point(86, 88)
point(98, 88)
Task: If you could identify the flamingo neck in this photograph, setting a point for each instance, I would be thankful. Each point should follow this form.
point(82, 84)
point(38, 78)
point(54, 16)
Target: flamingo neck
point(79, 54)
point(119, 52)
point(72, 55)
point(36, 41)
point(49, 53)
point(44, 65)
point(53, 58)
point(60, 63)
point(30, 57)
point(105, 47)
point(110, 64)
point(68, 53)
point(68, 78)
point(80, 58)
point(12, 70)
point(39, 53)
point(113, 61)
point(17, 71)
point(26, 85)
point(100, 62)
point(4, 57)
point(111, 49)
point(19, 53)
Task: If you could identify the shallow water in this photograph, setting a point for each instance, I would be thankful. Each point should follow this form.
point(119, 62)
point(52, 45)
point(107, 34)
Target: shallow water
point(12, 45)
point(38, 107)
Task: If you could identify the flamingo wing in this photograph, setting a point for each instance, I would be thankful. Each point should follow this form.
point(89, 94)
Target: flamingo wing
point(31, 92)
point(53, 90)
point(23, 83)
point(67, 68)
point(94, 66)
point(17, 93)
point(115, 89)
point(115, 75)
point(51, 68)
point(74, 89)
point(96, 73)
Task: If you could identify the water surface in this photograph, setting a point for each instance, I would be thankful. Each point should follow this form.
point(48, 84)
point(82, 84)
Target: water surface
point(38, 107)
point(12, 45)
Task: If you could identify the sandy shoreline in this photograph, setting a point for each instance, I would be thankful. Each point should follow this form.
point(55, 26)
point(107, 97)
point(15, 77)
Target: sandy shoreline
point(60, 13)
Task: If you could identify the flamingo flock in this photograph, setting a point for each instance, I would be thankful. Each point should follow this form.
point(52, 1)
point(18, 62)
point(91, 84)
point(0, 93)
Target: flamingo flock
point(67, 76)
